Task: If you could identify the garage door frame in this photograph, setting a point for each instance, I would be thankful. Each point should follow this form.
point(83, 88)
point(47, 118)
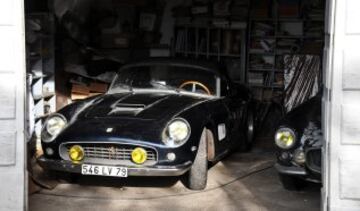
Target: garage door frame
point(341, 107)
point(13, 189)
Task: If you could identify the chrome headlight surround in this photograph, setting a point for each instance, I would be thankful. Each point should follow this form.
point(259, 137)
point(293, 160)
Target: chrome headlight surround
point(53, 125)
point(176, 133)
point(285, 138)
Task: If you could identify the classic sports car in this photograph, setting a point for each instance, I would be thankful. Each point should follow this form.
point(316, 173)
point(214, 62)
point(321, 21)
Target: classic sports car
point(299, 140)
point(161, 117)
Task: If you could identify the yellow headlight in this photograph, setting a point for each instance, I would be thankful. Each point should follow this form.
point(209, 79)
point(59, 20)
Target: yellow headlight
point(139, 155)
point(76, 153)
point(285, 138)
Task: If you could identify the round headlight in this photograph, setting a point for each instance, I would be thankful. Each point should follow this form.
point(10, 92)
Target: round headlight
point(177, 132)
point(55, 124)
point(285, 138)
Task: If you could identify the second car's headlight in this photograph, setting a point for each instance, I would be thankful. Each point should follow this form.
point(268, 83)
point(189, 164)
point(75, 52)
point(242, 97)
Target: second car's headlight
point(285, 138)
point(53, 126)
point(177, 132)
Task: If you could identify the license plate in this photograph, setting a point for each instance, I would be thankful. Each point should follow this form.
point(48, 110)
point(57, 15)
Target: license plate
point(110, 171)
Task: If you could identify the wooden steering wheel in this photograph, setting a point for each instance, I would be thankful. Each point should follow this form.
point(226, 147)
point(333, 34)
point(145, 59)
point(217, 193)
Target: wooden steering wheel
point(194, 84)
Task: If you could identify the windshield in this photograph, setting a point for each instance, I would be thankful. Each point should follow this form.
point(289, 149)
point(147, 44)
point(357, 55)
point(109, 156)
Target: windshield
point(165, 77)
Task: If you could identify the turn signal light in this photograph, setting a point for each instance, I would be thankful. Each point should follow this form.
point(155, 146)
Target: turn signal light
point(76, 153)
point(139, 155)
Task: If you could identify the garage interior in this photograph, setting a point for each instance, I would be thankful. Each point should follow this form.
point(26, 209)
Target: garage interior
point(75, 48)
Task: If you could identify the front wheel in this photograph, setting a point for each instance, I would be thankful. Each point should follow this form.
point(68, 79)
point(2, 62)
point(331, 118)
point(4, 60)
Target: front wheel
point(197, 175)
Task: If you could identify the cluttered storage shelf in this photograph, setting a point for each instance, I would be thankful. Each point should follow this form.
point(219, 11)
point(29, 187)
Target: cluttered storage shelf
point(40, 58)
point(215, 31)
point(278, 29)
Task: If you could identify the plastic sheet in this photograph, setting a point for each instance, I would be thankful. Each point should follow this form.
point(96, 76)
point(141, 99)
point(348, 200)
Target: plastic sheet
point(72, 15)
point(302, 79)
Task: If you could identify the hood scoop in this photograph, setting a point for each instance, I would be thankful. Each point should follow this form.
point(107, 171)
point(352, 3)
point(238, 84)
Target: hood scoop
point(138, 105)
point(125, 108)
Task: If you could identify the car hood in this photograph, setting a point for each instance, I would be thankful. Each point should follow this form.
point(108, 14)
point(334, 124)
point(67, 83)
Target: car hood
point(146, 106)
point(134, 116)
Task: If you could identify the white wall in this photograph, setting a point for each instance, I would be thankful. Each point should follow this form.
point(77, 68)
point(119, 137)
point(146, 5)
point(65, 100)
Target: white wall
point(342, 107)
point(12, 89)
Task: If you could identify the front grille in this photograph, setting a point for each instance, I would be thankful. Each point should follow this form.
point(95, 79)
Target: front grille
point(313, 160)
point(104, 153)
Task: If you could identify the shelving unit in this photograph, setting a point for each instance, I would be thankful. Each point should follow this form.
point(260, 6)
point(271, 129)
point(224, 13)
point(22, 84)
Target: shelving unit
point(269, 39)
point(212, 42)
point(41, 65)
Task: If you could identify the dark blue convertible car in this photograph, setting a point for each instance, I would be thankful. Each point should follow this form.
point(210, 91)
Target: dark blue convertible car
point(160, 117)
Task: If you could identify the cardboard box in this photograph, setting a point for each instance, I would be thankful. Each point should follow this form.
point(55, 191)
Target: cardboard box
point(289, 11)
point(289, 8)
point(114, 41)
point(80, 89)
point(199, 10)
point(260, 13)
point(94, 94)
point(76, 96)
point(98, 87)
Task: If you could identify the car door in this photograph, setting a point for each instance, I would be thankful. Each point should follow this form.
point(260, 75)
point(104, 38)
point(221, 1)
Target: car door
point(232, 105)
point(221, 122)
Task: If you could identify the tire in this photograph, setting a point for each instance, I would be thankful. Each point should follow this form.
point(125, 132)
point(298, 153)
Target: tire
point(249, 132)
point(291, 183)
point(197, 175)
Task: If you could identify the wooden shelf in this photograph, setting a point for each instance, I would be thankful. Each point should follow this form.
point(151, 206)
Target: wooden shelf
point(263, 36)
point(298, 37)
point(265, 70)
point(268, 37)
point(266, 86)
point(210, 27)
point(209, 54)
point(262, 53)
point(283, 19)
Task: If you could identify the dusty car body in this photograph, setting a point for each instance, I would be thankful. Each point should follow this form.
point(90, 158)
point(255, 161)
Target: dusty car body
point(160, 117)
point(300, 160)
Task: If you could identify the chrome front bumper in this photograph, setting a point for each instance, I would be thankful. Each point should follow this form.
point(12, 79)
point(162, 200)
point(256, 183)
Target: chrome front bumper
point(68, 166)
point(291, 170)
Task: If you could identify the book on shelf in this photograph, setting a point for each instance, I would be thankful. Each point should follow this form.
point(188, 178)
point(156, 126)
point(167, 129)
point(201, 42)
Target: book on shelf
point(220, 22)
point(196, 10)
point(255, 78)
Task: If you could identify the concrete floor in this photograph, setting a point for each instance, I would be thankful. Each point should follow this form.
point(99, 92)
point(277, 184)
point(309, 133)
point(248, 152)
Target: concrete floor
point(240, 182)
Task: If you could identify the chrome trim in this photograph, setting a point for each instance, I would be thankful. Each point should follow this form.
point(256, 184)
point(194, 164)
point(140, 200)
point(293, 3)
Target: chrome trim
point(115, 143)
point(292, 170)
point(311, 167)
point(68, 166)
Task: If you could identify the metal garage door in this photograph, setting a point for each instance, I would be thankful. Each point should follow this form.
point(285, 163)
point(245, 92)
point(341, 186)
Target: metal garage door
point(342, 106)
point(12, 80)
